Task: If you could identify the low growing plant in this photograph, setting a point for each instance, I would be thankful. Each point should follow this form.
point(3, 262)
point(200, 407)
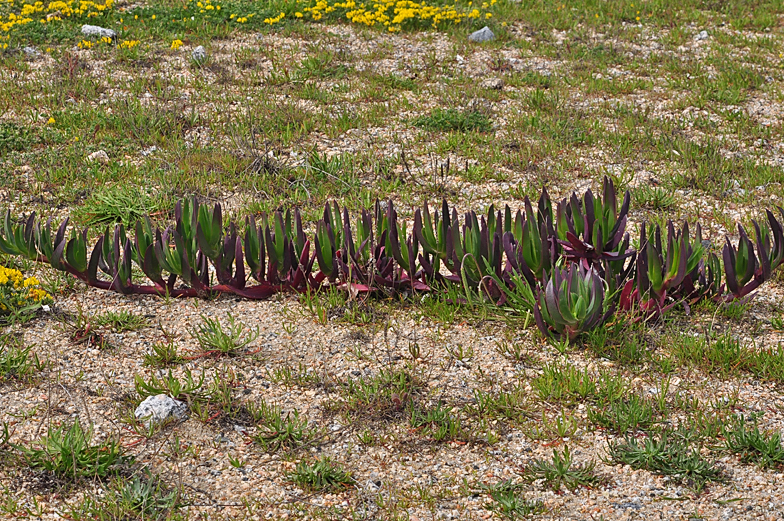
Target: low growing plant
point(20, 296)
point(571, 263)
point(67, 452)
point(17, 362)
point(753, 445)
point(667, 455)
point(322, 475)
point(561, 471)
point(214, 340)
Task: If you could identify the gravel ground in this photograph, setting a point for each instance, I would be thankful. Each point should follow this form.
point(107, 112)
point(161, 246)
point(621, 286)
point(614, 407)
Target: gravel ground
point(399, 472)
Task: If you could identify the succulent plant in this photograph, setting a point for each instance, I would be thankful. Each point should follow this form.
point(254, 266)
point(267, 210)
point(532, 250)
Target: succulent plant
point(593, 229)
point(572, 302)
point(746, 270)
point(570, 268)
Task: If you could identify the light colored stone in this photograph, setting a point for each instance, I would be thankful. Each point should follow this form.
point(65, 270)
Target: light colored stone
point(157, 409)
point(492, 83)
point(482, 35)
point(199, 54)
point(100, 32)
point(100, 157)
point(703, 35)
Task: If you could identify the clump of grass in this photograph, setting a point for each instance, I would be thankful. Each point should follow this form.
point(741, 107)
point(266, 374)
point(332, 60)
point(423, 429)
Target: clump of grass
point(384, 396)
point(562, 472)
point(322, 475)
point(453, 120)
point(188, 389)
point(123, 204)
point(566, 383)
point(14, 138)
point(726, 356)
point(630, 414)
point(755, 446)
point(438, 422)
point(121, 321)
point(68, 453)
point(16, 362)
point(667, 456)
point(508, 503)
point(512, 405)
point(622, 341)
point(163, 354)
point(653, 197)
point(215, 341)
point(277, 430)
point(142, 497)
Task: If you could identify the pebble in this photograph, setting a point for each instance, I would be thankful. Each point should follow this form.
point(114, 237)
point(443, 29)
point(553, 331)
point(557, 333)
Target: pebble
point(99, 32)
point(99, 156)
point(199, 54)
point(482, 35)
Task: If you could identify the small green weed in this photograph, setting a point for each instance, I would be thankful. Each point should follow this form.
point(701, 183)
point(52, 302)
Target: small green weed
point(561, 472)
point(215, 341)
point(726, 356)
point(16, 362)
point(142, 497)
point(439, 422)
point(67, 452)
point(508, 503)
point(189, 390)
point(123, 204)
point(383, 396)
point(754, 446)
point(163, 354)
point(668, 456)
point(565, 383)
point(513, 405)
point(322, 475)
point(453, 120)
point(653, 197)
point(121, 321)
point(276, 430)
point(629, 414)
point(15, 138)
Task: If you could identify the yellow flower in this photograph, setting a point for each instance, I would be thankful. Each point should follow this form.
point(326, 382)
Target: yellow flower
point(176, 44)
point(51, 121)
point(298, 14)
point(153, 17)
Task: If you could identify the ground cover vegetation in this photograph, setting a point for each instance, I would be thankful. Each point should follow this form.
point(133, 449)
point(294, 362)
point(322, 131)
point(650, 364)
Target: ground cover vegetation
point(534, 277)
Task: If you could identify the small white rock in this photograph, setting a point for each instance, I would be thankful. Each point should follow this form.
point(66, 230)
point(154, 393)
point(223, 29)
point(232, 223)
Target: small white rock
point(492, 83)
point(100, 32)
point(702, 36)
point(157, 409)
point(482, 35)
point(199, 54)
point(100, 156)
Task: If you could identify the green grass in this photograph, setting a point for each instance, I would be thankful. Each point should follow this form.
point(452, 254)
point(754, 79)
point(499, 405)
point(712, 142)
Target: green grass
point(453, 120)
point(508, 502)
point(321, 475)
point(728, 356)
point(754, 446)
point(68, 452)
point(667, 455)
point(276, 430)
point(215, 340)
point(561, 471)
point(17, 362)
point(121, 321)
point(124, 204)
